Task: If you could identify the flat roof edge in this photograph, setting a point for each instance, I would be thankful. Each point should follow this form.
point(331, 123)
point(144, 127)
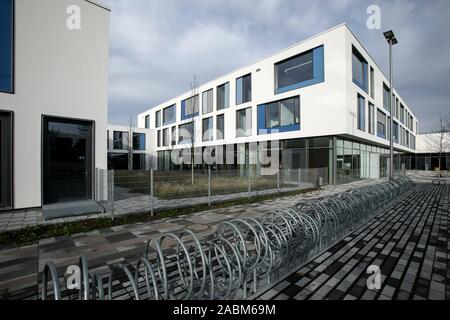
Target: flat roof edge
point(96, 3)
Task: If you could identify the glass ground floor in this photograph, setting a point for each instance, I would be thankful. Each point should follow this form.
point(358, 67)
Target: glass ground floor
point(344, 159)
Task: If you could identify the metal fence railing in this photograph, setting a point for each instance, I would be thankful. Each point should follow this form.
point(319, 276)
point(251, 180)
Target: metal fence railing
point(124, 191)
point(242, 256)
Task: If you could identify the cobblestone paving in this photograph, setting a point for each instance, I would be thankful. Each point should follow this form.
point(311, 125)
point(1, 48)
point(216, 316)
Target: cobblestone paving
point(19, 266)
point(409, 242)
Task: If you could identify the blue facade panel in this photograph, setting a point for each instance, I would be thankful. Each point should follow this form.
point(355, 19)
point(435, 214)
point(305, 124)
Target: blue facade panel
point(6, 46)
point(318, 69)
point(185, 116)
point(261, 121)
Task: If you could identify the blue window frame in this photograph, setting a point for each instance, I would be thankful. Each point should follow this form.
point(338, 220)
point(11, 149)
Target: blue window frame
point(300, 71)
point(279, 116)
point(361, 113)
point(6, 45)
point(190, 107)
point(359, 70)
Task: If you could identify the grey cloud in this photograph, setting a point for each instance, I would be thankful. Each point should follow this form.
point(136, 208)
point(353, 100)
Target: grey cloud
point(157, 46)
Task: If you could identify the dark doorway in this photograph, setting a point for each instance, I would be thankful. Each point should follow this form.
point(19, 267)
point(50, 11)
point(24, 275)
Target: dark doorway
point(67, 160)
point(5, 160)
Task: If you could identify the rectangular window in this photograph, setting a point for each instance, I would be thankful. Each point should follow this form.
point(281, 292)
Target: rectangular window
point(223, 96)
point(397, 107)
point(6, 45)
point(169, 115)
point(207, 101)
point(158, 119)
point(386, 97)
point(244, 122)
point(372, 83)
point(381, 124)
point(402, 114)
point(220, 123)
point(165, 137)
point(189, 107)
point(173, 136)
point(244, 89)
point(207, 129)
point(158, 138)
point(411, 123)
point(147, 121)
point(359, 69)
point(361, 113)
point(138, 141)
point(304, 69)
point(186, 132)
point(395, 133)
point(120, 140)
point(371, 118)
point(281, 113)
point(139, 161)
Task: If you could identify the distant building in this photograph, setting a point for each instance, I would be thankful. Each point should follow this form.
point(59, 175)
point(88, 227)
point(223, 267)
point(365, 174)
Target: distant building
point(427, 156)
point(130, 148)
point(324, 100)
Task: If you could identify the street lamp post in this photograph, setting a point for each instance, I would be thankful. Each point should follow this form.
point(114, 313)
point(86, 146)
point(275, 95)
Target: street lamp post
point(392, 40)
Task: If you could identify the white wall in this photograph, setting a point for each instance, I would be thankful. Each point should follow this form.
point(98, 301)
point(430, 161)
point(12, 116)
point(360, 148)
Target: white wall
point(429, 142)
point(60, 73)
point(327, 108)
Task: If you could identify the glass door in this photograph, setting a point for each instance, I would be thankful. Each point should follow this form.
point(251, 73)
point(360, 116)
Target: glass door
point(67, 160)
point(5, 160)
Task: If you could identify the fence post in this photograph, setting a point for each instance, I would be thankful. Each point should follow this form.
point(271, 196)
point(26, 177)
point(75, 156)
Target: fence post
point(278, 180)
point(299, 177)
point(151, 192)
point(209, 186)
point(112, 194)
point(249, 183)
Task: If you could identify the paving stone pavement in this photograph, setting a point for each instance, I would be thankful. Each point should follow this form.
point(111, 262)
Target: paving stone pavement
point(409, 242)
point(105, 247)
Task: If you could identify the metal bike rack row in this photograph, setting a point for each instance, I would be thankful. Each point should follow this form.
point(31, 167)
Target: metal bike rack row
point(241, 256)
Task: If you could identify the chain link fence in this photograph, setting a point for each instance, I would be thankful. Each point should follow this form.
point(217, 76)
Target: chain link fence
point(126, 191)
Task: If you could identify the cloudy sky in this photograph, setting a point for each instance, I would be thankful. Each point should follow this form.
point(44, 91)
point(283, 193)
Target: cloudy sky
point(157, 45)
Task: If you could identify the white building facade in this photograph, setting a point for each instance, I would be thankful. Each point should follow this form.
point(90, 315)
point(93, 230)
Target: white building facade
point(53, 100)
point(324, 100)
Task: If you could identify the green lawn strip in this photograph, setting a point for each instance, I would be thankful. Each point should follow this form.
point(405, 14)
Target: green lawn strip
point(30, 235)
